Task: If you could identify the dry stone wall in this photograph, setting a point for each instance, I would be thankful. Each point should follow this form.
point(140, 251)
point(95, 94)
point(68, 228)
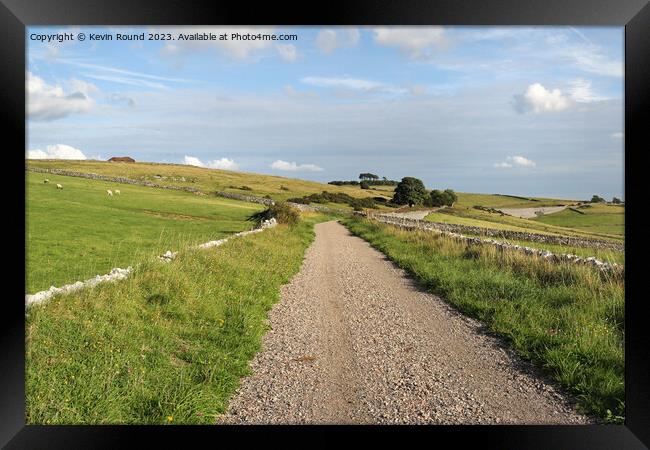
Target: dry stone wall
point(422, 225)
point(572, 241)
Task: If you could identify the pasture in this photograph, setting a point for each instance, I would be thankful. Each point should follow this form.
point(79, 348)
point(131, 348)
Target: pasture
point(208, 180)
point(591, 217)
point(79, 231)
point(169, 344)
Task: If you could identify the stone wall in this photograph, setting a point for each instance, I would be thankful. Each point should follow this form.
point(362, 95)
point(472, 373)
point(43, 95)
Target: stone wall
point(572, 241)
point(422, 225)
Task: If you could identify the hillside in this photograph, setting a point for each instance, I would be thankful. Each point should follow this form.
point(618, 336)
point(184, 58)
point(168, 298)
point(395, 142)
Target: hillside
point(208, 180)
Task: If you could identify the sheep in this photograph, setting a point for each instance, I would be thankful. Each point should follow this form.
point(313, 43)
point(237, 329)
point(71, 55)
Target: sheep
point(109, 192)
point(45, 181)
point(117, 191)
point(58, 186)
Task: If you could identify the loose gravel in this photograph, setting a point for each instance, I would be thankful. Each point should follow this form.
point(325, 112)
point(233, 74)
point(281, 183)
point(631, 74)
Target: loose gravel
point(354, 340)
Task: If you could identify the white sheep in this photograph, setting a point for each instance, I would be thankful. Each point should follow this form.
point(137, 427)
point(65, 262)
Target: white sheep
point(45, 181)
point(109, 192)
point(58, 186)
point(117, 191)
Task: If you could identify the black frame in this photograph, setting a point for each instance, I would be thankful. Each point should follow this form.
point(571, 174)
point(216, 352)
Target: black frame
point(15, 15)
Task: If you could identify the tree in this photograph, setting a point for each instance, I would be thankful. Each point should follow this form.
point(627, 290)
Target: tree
point(368, 176)
point(410, 191)
point(616, 201)
point(596, 199)
point(442, 198)
point(364, 185)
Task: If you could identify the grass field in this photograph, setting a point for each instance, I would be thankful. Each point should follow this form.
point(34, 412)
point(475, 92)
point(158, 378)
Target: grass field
point(169, 344)
point(474, 217)
point(208, 180)
point(79, 232)
point(594, 218)
point(507, 201)
point(568, 319)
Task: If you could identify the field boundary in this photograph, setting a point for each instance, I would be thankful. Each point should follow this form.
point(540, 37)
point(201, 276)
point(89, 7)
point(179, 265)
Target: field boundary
point(228, 195)
point(120, 274)
point(507, 234)
point(423, 225)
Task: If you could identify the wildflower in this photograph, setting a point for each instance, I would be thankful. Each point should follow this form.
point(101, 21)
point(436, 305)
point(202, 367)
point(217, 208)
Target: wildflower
point(170, 419)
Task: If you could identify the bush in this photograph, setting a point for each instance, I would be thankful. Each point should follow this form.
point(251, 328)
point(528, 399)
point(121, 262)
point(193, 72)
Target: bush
point(442, 198)
point(597, 199)
point(281, 211)
point(364, 185)
point(284, 188)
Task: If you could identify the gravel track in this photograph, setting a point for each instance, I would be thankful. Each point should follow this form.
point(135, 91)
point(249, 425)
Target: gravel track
point(354, 340)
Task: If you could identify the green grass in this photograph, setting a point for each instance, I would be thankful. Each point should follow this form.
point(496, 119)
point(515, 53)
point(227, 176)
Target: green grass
point(567, 319)
point(167, 345)
point(596, 218)
point(208, 180)
point(507, 201)
point(469, 216)
point(78, 232)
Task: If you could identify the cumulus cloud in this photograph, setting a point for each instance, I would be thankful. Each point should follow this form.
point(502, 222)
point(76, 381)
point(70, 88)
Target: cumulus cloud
point(58, 151)
point(538, 99)
point(416, 42)
point(49, 102)
point(512, 161)
point(193, 161)
point(287, 52)
point(223, 163)
point(294, 167)
point(329, 40)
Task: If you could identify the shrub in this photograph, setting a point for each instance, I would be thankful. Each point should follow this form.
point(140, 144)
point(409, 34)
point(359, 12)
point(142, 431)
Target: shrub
point(597, 199)
point(284, 188)
point(364, 185)
point(281, 211)
point(442, 198)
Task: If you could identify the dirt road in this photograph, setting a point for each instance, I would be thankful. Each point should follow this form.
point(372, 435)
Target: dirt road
point(354, 340)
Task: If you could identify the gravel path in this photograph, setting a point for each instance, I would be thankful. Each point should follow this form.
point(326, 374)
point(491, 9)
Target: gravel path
point(354, 340)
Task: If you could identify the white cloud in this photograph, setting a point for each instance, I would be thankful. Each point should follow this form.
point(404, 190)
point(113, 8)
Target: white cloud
point(618, 135)
point(512, 161)
point(329, 40)
point(49, 102)
point(193, 161)
point(58, 151)
point(235, 48)
point(287, 52)
point(223, 163)
point(581, 91)
point(293, 167)
point(414, 41)
point(589, 59)
point(355, 84)
point(539, 99)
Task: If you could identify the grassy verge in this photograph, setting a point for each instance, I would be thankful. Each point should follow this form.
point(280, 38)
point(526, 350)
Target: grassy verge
point(596, 218)
point(167, 345)
point(79, 231)
point(568, 319)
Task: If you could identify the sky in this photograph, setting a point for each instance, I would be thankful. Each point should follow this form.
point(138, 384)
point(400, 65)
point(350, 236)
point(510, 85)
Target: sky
point(534, 111)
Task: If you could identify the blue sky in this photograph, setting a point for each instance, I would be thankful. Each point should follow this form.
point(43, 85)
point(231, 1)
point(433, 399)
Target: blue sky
point(513, 110)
